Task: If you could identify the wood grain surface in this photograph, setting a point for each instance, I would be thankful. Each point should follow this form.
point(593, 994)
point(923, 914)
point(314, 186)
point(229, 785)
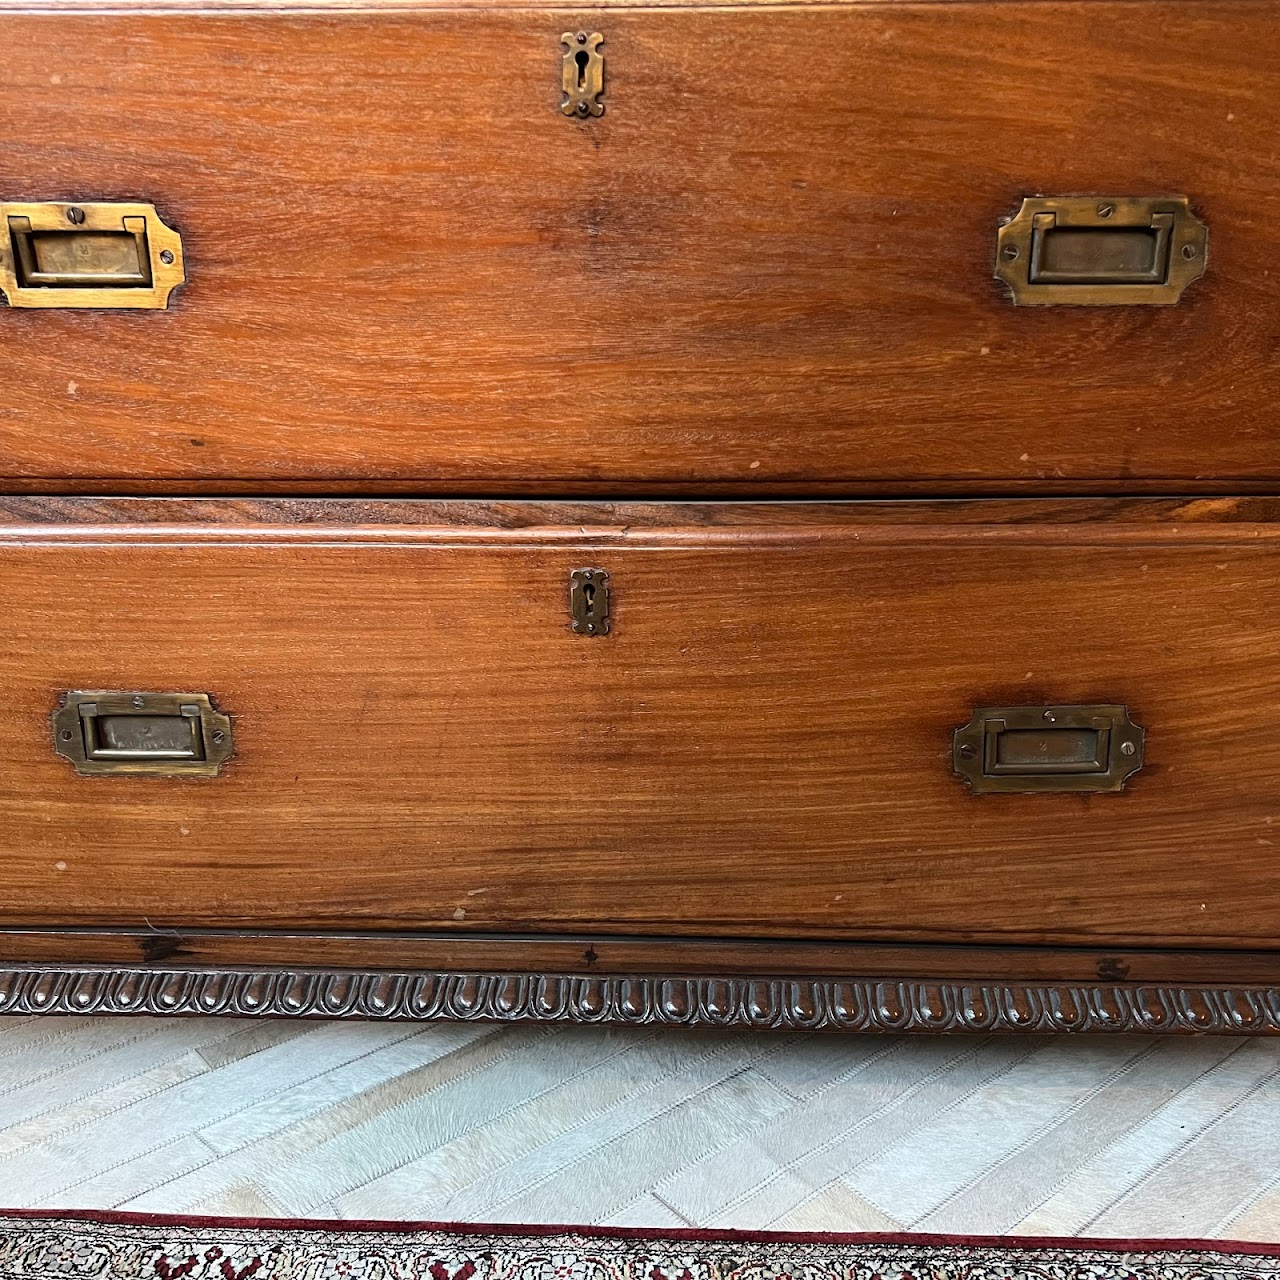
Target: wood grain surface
point(760, 749)
point(766, 269)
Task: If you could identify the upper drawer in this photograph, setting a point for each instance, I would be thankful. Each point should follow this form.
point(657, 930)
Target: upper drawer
point(767, 267)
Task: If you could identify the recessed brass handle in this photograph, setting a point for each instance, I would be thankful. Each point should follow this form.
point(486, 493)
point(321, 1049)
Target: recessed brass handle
point(88, 256)
point(157, 733)
point(1039, 749)
point(1101, 251)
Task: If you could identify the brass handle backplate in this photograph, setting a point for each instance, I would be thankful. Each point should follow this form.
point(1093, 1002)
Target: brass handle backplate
point(1039, 749)
point(1101, 251)
point(88, 256)
point(158, 733)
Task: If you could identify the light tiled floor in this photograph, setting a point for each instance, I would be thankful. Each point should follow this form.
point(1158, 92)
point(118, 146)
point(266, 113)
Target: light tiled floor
point(1051, 1136)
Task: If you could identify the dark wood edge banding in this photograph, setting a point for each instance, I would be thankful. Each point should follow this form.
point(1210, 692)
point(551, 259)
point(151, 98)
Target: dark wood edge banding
point(781, 537)
point(777, 1004)
point(583, 528)
point(510, 514)
point(266, 8)
point(741, 490)
point(623, 956)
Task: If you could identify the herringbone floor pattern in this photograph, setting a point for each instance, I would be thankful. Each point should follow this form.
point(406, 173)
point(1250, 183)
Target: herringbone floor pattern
point(1092, 1136)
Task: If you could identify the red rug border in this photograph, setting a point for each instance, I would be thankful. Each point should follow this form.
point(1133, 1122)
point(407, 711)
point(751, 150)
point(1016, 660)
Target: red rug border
point(118, 1217)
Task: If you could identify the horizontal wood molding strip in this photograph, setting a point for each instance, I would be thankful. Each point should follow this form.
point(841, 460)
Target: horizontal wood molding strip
point(267, 7)
point(777, 1004)
point(525, 514)
point(798, 538)
point(592, 955)
point(436, 488)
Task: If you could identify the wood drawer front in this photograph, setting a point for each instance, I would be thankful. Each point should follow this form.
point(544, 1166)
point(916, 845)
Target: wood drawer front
point(760, 748)
point(766, 268)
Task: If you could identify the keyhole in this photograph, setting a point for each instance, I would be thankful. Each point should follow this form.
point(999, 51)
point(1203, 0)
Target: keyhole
point(589, 597)
point(582, 59)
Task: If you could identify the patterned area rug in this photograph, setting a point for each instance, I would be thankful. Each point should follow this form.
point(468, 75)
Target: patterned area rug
point(105, 1246)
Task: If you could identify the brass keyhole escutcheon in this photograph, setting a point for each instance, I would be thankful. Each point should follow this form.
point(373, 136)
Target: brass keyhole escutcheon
point(582, 74)
point(589, 602)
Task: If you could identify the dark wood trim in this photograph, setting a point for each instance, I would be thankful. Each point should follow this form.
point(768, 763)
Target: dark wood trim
point(590, 539)
point(592, 955)
point(314, 7)
point(512, 514)
point(645, 490)
point(775, 1004)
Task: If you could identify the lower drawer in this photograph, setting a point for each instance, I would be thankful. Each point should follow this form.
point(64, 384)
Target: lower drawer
point(758, 754)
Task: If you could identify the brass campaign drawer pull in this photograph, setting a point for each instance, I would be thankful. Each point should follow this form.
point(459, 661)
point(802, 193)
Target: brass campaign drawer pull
point(88, 256)
point(1101, 251)
point(1039, 749)
point(158, 733)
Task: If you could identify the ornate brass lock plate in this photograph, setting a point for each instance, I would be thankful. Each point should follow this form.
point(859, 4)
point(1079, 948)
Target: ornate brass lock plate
point(582, 74)
point(589, 602)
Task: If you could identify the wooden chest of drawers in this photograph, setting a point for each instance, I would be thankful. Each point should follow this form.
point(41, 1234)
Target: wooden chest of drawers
point(705, 559)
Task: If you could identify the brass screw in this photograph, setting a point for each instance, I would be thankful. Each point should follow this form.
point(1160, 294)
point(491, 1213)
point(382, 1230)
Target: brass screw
point(139, 701)
point(1188, 251)
point(166, 256)
point(217, 736)
point(1127, 748)
point(582, 37)
point(967, 751)
point(1106, 210)
point(66, 735)
point(76, 216)
point(1011, 251)
point(1050, 717)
